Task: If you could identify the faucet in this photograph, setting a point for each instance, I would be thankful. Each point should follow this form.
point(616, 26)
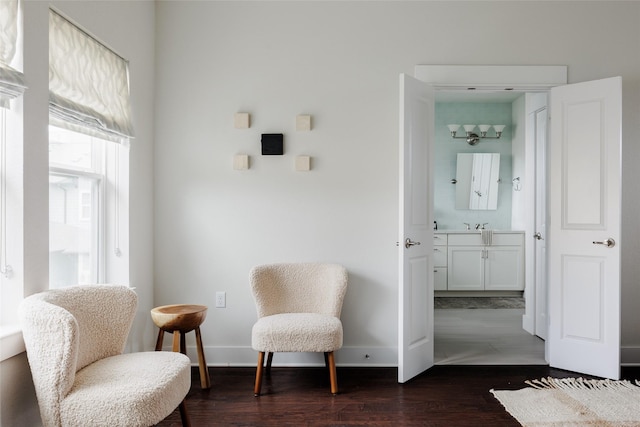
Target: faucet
point(480, 226)
point(477, 227)
point(468, 226)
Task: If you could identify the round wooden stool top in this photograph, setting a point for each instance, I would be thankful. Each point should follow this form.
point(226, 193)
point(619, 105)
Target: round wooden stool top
point(179, 317)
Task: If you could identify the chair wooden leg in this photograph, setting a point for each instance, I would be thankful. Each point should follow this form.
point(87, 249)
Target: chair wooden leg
point(326, 359)
point(160, 339)
point(269, 360)
point(332, 373)
point(176, 341)
point(205, 381)
point(184, 416)
point(258, 384)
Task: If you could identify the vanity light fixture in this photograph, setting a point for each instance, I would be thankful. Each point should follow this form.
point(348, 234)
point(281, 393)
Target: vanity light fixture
point(473, 138)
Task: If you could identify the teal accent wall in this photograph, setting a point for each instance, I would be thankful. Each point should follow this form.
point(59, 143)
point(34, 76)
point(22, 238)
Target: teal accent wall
point(445, 154)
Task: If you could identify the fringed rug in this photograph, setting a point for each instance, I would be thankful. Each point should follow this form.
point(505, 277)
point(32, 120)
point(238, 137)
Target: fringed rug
point(573, 402)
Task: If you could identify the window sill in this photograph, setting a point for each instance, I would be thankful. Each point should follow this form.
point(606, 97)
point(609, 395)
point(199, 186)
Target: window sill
point(11, 342)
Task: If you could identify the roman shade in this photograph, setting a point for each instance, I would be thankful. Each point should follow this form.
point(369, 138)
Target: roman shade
point(88, 83)
point(11, 80)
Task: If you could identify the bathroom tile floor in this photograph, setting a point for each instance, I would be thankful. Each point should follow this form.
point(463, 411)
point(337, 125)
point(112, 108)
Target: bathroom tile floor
point(484, 337)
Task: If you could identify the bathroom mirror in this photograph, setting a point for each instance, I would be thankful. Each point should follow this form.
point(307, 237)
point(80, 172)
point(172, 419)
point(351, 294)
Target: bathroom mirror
point(477, 176)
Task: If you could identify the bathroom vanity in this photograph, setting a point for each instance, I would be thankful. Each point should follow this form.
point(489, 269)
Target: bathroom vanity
point(465, 261)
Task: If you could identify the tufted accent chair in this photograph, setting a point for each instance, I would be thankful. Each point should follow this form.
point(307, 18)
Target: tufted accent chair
point(299, 307)
point(75, 338)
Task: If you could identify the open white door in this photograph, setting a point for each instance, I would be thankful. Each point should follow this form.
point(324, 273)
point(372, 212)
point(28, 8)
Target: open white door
point(415, 244)
point(584, 228)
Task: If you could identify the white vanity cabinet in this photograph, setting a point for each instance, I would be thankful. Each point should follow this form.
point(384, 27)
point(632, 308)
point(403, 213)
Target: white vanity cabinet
point(440, 261)
point(474, 266)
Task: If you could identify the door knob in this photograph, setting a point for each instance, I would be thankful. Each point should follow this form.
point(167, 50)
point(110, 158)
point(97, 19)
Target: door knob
point(408, 243)
point(537, 236)
point(608, 243)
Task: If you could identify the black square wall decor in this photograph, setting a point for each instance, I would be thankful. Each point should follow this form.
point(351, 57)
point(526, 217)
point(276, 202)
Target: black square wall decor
point(272, 144)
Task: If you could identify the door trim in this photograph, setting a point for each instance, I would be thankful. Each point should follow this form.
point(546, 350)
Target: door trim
point(492, 78)
point(517, 78)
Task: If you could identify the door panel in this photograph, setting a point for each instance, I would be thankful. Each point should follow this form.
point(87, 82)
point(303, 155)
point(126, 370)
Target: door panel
point(582, 181)
point(582, 285)
point(584, 208)
point(419, 317)
point(415, 244)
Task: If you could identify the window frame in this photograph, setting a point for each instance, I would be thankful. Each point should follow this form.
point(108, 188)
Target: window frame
point(12, 285)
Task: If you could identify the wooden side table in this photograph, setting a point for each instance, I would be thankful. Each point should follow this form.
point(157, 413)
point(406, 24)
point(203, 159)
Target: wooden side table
point(180, 319)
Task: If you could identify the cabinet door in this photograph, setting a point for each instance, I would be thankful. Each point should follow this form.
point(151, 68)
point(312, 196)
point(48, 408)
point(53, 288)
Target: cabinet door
point(440, 278)
point(440, 256)
point(504, 268)
point(465, 268)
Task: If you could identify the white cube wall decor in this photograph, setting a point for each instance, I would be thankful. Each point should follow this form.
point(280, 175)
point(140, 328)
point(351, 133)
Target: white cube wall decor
point(241, 162)
point(241, 120)
point(303, 122)
point(303, 163)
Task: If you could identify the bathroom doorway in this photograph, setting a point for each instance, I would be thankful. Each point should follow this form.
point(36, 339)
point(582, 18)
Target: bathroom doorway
point(484, 327)
point(576, 107)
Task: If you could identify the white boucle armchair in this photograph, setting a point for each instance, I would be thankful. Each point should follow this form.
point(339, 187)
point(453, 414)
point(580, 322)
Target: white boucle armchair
point(299, 307)
point(75, 338)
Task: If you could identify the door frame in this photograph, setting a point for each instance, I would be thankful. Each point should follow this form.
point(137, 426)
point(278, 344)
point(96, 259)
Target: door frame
point(493, 78)
point(481, 78)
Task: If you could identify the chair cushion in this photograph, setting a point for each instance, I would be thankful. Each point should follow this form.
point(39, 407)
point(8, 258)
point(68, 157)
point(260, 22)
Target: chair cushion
point(297, 332)
point(136, 389)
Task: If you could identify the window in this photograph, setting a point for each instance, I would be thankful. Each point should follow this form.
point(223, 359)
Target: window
point(11, 182)
point(76, 218)
point(10, 224)
point(88, 210)
point(90, 127)
point(5, 268)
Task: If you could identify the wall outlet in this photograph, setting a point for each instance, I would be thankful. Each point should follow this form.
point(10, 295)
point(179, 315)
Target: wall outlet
point(221, 299)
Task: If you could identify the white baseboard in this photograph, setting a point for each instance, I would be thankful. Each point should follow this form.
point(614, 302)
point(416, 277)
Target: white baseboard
point(346, 356)
point(246, 356)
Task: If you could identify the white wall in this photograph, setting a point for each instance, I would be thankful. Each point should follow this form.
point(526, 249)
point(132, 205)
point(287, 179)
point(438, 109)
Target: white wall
point(338, 61)
point(128, 28)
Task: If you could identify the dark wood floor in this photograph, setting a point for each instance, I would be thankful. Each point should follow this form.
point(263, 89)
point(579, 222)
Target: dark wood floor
point(446, 395)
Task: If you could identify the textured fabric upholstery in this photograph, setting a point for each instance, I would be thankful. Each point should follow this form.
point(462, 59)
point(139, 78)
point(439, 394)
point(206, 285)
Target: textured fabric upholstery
point(75, 338)
point(299, 306)
point(290, 332)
